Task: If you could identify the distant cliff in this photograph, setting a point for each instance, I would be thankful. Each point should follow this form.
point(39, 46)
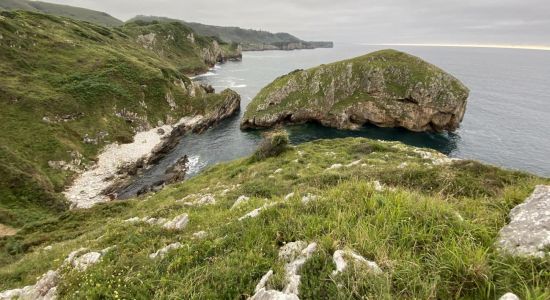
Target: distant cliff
point(249, 39)
point(77, 13)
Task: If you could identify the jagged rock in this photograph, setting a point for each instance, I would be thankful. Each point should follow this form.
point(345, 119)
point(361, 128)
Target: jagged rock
point(44, 289)
point(386, 88)
point(178, 223)
point(162, 252)
point(340, 256)
point(528, 233)
point(295, 255)
point(256, 212)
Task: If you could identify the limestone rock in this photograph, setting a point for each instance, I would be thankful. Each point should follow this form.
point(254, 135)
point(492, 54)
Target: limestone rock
point(178, 223)
point(162, 252)
point(509, 296)
point(242, 199)
point(386, 88)
point(341, 258)
point(528, 233)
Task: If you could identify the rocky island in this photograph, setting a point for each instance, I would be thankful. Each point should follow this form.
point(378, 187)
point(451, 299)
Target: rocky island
point(386, 88)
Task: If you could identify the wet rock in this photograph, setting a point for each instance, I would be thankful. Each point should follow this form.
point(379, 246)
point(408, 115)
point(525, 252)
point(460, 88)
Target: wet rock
point(528, 233)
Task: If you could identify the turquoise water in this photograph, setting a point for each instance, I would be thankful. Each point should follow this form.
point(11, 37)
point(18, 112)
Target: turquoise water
point(507, 122)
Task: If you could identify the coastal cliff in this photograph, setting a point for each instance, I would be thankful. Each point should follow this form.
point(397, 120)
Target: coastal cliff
point(386, 88)
point(249, 39)
point(69, 89)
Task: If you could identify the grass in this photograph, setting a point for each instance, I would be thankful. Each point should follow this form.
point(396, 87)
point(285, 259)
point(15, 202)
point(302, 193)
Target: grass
point(432, 231)
point(62, 80)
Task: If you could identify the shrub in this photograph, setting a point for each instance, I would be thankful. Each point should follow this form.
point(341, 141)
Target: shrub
point(274, 143)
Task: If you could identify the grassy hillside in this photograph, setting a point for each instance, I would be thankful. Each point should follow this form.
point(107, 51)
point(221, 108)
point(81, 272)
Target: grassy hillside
point(72, 12)
point(430, 224)
point(249, 39)
point(67, 88)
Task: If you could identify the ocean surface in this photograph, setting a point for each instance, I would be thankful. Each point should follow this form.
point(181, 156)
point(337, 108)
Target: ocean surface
point(507, 122)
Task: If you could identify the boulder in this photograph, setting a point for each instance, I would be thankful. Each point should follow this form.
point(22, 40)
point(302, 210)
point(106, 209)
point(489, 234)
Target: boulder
point(528, 233)
point(387, 88)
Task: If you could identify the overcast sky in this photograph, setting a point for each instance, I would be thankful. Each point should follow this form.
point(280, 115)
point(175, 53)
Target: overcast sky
point(511, 22)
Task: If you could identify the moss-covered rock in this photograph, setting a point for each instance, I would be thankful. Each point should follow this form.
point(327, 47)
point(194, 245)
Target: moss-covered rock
point(387, 88)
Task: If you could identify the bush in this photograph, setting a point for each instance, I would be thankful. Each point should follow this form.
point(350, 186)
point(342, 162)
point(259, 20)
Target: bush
point(274, 143)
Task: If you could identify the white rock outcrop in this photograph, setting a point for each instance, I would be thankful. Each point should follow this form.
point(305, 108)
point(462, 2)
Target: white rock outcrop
point(178, 223)
point(46, 287)
point(295, 255)
point(342, 257)
point(528, 233)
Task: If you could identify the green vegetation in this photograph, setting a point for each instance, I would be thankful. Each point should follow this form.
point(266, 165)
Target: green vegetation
point(273, 144)
point(76, 13)
point(390, 74)
point(63, 81)
point(431, 230)
point(249, 39)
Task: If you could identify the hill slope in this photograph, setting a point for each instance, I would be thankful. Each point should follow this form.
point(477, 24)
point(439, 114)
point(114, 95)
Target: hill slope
point(76, 13)
point(427, 222)
point(250, 40)
point(68, 88)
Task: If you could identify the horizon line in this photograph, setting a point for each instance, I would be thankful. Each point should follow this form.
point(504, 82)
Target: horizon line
point(525, 47)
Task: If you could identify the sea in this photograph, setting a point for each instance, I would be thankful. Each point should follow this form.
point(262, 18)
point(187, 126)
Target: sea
point(507, 121)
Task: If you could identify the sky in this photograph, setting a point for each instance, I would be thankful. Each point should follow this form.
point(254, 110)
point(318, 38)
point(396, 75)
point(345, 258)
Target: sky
point(488, 22)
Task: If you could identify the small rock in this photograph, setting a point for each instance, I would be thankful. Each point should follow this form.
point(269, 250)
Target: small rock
point(355, 163)
point(207, 199)
point(403, 165)
point(242, 199)
point(200, 235)
point(378, 186)
point(291, 250)
point(339, 259)
point(85, 261)
point(178, 223)
point(335, 166)
point(308, 198)
point(289, 196)
point(509, 296)
point(48, 248)
point(162, 252)
point(278, 171)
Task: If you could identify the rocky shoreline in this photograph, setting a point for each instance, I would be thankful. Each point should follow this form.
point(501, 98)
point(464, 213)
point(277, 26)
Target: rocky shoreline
point(118, 164)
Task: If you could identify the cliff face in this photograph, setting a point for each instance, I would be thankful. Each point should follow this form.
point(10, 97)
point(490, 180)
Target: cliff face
point(179, 44)
point(251, 40)
point(286, 46)
point(386, 88)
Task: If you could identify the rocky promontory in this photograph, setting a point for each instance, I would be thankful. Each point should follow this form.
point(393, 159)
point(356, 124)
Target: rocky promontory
point(386, 88)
